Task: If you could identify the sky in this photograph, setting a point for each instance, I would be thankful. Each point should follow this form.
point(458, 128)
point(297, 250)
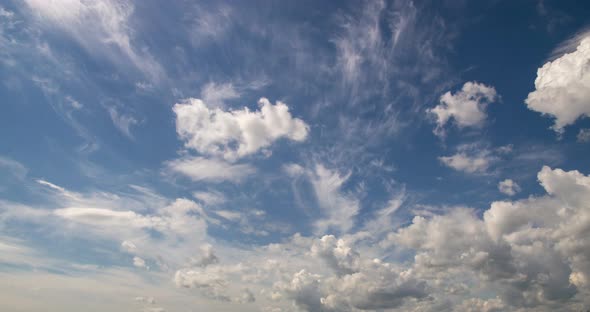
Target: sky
point(294, 155)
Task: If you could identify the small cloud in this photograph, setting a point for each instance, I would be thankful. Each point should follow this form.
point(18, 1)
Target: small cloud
point(584, 136)
point(123, 122)
point(139, 262)
point(467, 107)
point(213, 170)
point(508, 187)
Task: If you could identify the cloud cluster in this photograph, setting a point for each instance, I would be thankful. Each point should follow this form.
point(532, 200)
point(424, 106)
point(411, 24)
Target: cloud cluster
point(530, 253)
point(236, 133)
point(561, 87)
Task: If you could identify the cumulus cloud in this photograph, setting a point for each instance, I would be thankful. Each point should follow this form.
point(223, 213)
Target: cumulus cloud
point(467, 107)
point(561, 87)
point(236, 133)
point(214, 170)
point(531, 252)
point(508, 187)
point(359, 284)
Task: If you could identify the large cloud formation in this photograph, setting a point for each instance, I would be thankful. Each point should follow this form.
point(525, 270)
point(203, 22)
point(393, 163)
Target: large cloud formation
point(236, 133)
point(532, 253)
point(561, 87)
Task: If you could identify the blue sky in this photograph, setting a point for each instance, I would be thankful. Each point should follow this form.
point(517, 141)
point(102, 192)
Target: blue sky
point(294, 156)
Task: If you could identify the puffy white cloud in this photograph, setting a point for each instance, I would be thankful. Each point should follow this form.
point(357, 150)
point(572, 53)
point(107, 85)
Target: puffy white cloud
point(215, 170)
point(337, 254)
point(359, 284)
point(466, 107)
point(531, 252)
point(561, 87)
point(508, 187)
point(236, 133)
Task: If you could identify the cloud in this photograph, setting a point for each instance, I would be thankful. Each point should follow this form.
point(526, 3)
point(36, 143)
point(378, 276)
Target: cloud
point(101, 27)
point(15, 168)
point(216, 94)
point(531, 252)
point(470, 161)
point(214, 170)
point(583, 136)
point(338, 208)
point(140, 263)
point(466, 107)
point(236, 133)
point(123, 122)
point(210, 197)
point(561, 87)
point(508, 187)
point(359, 284)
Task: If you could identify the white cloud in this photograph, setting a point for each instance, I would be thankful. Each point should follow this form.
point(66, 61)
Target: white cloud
point(508, 187)
point(561, 87)
point(236, 133)
point(583, 136)
point(531, 252)
point(470, 162)
point(215, 94)
point(210, 197)
point(139, 262)
point(101, 27)
point(215, 170)
point(466, 107)
point(123, 122)
point(15, 168)
point(338, 208)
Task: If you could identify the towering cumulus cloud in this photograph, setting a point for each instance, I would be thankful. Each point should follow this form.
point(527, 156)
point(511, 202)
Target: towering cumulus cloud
point(562, 87)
